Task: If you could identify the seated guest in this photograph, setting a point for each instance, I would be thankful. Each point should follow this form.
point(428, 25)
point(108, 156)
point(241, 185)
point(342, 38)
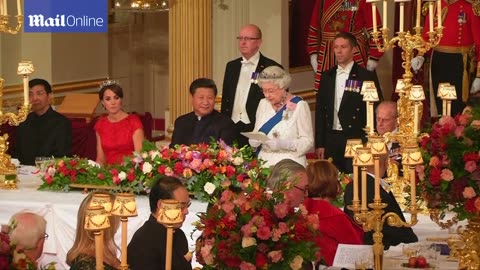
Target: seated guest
point(82, 254)
point(290, 175)
point(147, 248)
point(386, 116)
point(335, 226)
point(45, 132)
point(119, 134)
point(27, 232)
point(392, 236)
point(204, 123)
point(284, 118)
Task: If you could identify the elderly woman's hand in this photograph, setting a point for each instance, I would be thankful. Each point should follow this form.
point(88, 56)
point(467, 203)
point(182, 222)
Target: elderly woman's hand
point(280, 144)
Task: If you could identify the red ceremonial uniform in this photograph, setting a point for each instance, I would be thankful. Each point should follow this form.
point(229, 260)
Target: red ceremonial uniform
point(453, 60)
point(354, 16)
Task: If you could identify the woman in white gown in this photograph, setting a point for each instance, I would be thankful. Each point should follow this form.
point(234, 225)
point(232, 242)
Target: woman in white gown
point(284, 118)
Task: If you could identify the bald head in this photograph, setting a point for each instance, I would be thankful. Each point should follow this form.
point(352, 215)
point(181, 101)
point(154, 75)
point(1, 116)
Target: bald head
point(28, 233)
point(386, 117)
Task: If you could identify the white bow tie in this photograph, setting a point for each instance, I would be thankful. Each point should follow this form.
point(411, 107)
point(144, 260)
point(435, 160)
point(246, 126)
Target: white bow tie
point(341, 70)
point(247, 62)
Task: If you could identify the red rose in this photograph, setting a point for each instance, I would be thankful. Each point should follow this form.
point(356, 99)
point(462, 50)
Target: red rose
point(435, 176)
point(161, 169)
point(73, 162)
point(260, 259)
point(101, 176)
point(230, 171)
point(178, 168)
point(470, 206)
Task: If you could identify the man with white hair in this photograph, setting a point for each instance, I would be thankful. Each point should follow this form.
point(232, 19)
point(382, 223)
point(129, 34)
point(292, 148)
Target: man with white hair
point(27, 232)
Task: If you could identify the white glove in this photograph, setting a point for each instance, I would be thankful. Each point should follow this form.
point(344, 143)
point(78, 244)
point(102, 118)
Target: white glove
point(313, 61)
point(475, 86)
point(279, 144)
point(417, 62)
point(372, 64)
point(254, 143)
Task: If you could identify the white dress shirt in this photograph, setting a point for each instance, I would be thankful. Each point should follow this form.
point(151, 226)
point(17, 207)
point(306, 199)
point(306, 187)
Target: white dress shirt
point(249, 66)
point(341, 79)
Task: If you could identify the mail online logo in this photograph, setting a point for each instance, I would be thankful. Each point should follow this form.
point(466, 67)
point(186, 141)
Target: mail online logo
point(67, 16)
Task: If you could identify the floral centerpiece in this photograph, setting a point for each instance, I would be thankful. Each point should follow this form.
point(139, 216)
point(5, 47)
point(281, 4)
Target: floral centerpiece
point(206, 168)
point(256, 229)
point(450, 178)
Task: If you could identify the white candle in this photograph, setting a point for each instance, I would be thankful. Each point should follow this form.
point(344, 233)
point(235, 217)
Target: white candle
point(19, 8)
point(25, 90)
point(377, 180)
point(355, 184)
point(384, 19)
point(374, 16)
point(415, 119)
point(402, 14)
point(439, 13)
point(364, 188)
point(430, 16)
point(419, 8)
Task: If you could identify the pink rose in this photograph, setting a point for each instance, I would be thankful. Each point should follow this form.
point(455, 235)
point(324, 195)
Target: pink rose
point(434, 161)
point(459, 131)
point(447, 175)
point(469, 193)
point(264, 233)
point(247, 266)
point(281, 210)
point(228, 206)
point(420, 169)
point(275, 255)
point(470, 166)
point(463, 119)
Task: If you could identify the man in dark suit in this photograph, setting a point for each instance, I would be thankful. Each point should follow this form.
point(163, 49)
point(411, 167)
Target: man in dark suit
point(204, 123)
point(146, 250)
point(392, 236)
point(340, 110)
point(240, 94)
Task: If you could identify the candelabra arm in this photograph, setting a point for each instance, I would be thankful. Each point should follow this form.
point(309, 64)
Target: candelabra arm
point(394, 220)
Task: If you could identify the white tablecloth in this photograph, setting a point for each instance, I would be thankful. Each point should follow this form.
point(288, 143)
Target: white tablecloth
point(60, 211)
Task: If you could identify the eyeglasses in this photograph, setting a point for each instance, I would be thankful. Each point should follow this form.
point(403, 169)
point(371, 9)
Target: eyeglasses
point(247, 38)
point(185, 205)
point(304, 190)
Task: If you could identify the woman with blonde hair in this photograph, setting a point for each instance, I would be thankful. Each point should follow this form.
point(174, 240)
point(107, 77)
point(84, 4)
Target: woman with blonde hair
point(82, 255)
point(335, 226)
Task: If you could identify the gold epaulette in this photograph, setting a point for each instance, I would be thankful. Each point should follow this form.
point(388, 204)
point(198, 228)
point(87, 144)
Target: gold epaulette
point(424, 8)
point(476, 7)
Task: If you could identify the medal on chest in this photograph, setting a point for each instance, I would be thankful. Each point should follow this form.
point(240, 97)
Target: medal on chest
point(349, 5)
point(462, 17)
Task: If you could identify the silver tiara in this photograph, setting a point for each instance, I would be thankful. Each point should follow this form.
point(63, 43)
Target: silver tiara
point(108, 82)
point(266, 76)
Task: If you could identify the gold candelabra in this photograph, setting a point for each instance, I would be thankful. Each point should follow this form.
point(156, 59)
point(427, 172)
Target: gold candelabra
point(8, 171)
point(5, 26)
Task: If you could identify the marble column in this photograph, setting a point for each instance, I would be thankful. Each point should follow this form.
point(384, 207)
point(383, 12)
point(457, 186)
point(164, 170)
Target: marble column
point(190, 52)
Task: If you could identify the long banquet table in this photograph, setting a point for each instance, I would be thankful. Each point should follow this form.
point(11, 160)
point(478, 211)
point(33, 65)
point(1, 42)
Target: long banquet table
point(60, 211)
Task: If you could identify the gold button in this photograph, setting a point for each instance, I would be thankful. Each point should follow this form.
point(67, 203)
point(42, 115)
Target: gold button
point(354, 117)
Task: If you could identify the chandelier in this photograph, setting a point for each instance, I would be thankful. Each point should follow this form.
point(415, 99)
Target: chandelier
point(142, 6)
point(6, 19)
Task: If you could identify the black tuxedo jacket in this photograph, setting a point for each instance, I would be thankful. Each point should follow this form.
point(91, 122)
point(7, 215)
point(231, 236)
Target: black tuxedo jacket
point(230, 81)
point(146, 250)
point(352, 114)
point(189, 130)
point(392, 236)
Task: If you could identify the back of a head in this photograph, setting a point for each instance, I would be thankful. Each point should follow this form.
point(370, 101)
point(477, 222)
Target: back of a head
point(26, 229)
point(44, 83)
point(84, 240)
point(163, 189)
point(322, 180)
point(282, 171)
point(275, 75)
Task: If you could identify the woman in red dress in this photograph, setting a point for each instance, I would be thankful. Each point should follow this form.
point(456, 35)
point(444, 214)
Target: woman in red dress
point(335, 226)
point(119, 134)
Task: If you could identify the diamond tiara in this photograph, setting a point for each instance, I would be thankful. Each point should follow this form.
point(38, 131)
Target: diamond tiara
point(108, 82)
point(266, 76)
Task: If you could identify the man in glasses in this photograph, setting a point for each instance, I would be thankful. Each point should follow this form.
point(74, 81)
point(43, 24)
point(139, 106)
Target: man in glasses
point(240, 94)
point(147, 249)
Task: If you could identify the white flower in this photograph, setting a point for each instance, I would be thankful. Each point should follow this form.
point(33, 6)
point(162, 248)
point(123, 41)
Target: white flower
point(147, 167)
point(93, 163)
point(51, 171)
point(238, 161)
point(154, 154)
point(248, 241)
point(297, 262)
point(144, 155)
point(122, 176)
point(209, 188)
